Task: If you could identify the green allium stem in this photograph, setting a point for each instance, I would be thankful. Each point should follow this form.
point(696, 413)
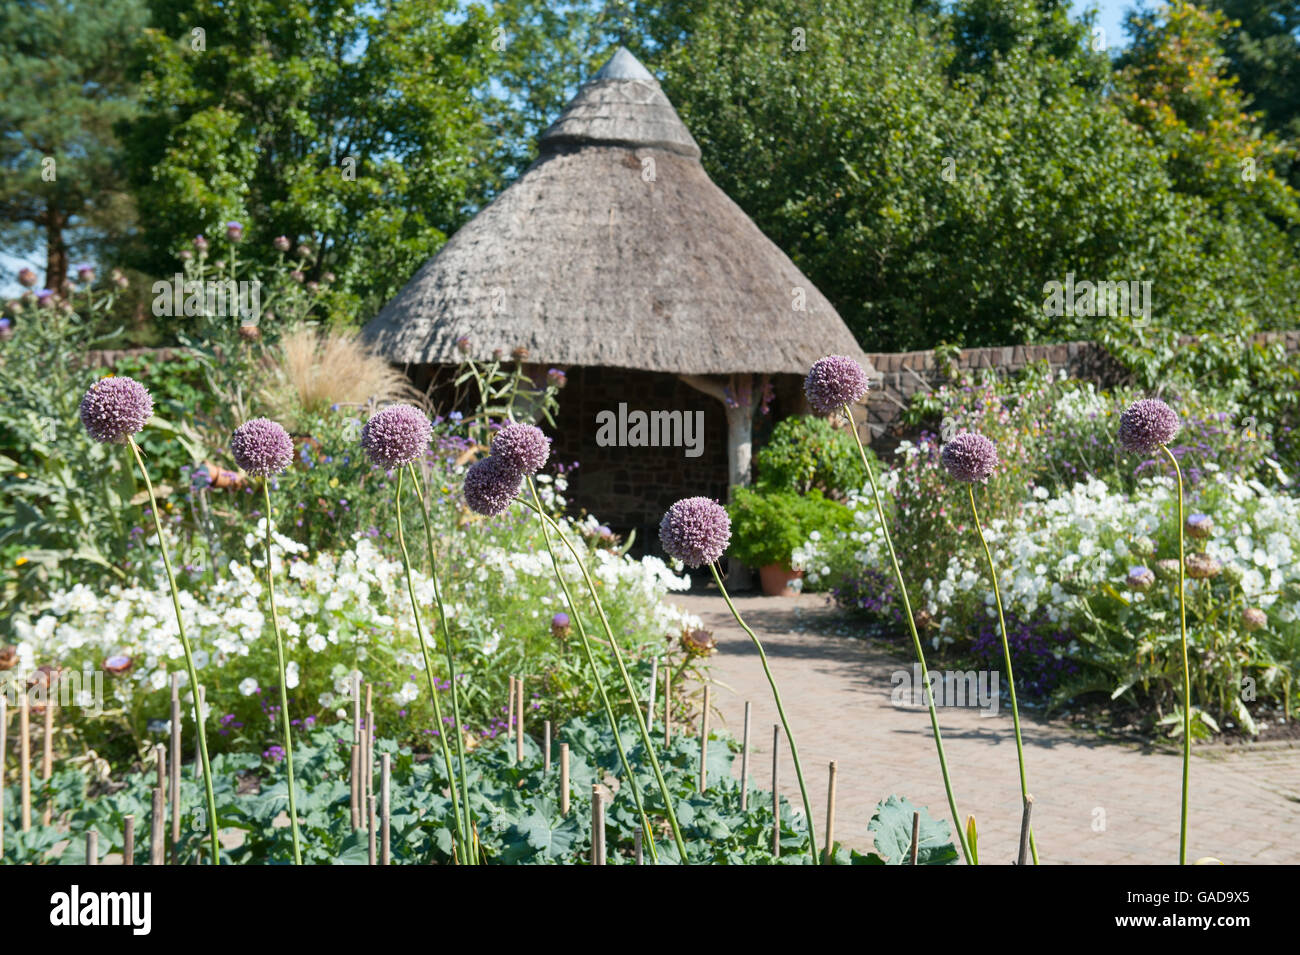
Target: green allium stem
point(780, 709)
point(446, 642)
point(284, 691)
point(600, 686)
point(916, 639)
point(627, 682)
point(1187, 673)
point(469, 857)
point(1006, 659)
point(189, 658)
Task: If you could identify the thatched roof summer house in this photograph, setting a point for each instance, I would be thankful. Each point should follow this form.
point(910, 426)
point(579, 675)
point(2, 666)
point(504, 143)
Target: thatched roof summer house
point(615, 258)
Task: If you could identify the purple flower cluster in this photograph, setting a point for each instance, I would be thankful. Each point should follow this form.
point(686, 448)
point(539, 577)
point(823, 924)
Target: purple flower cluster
point(695, 531)
point(115, 408)
point(490, 486)
point(524, 447)
point(261, 447)
point(834, 381)
point(396, 436)
point(969, 457)
point(1146, 425)
point(1037, 652)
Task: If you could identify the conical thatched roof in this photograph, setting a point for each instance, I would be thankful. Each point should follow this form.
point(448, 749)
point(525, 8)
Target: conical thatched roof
point(615, 249)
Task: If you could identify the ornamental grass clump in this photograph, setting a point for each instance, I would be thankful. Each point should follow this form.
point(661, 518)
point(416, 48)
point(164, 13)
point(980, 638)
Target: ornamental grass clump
point(971, 459)
point(1146, 426)
point(113, 411)
point(395, 438)
point(263, 448)
point(696, 531)
point(491, 485)
point(833, 384)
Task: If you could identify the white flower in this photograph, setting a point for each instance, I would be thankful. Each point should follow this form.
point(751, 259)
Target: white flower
point(248, 686)
point(290, 675)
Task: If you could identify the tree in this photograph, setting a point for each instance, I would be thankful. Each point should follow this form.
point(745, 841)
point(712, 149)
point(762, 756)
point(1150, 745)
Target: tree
point(352, 126)
point(63, 89)
point(1263, 50)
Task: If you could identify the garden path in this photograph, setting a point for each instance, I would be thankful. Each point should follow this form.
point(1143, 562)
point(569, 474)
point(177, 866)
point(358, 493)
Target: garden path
point(1094, 801)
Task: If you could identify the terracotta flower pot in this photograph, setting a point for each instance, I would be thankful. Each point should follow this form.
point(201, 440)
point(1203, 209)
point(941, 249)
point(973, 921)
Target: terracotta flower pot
point(776, 579)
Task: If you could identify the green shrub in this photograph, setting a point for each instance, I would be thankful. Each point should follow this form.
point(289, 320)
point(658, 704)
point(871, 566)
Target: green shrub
point(808, 453)
point(766, 526)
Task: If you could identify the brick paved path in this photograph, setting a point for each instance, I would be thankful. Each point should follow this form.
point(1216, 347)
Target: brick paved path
point(1094, 802)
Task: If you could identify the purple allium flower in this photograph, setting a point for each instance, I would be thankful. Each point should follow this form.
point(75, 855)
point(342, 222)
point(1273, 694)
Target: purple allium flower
point(200, 243)
point(490, 486)
point(834, 381)
point(556, 378)
point(560, 625)
point(1203, 567)
point(27, 278)
point(1146, 425)
point(281, 243)
point(463, 344)
point(395, 436)
point(695, 530)
point(234, 231)
point(85, 273)
point(523, 447)
point(115, 408)
point(1141, 578)
point(969, 457)
point(1254, 619)
point(304, 252)
point(1199, 526)
point(261, 447)
point(297, 276)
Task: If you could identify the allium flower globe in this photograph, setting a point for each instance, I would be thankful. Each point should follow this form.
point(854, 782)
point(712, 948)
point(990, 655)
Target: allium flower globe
point(396, 436)
point(969, 457)
point(115, 408)
point(522, 447)
point(261, 447)
point(1254, 618)
point(1199, 526)
point(834, 381)
point(695, 531)
point(1146, 425)
point(560, 625)
point(1167, 569)
point(1203, 567)
point(490, 486)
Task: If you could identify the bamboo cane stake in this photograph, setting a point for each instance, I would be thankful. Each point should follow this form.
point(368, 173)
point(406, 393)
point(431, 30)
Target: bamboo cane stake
point(175, 799)
point(564, 779)
point(744, 763)
point(128, 840)
point(25, 760)
point(385, 807)
point(916, 837)
point(356, 752)
point(830, 815)
point(156, 825)
point(776, 798)
point(510, 718)
point(546, 747)
point(92, 847)
point(160, 756)
point(637, 838)
point(370, 778)
point(704, 741)
point(47, 749)
point(519, 720)
point(597, 826)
